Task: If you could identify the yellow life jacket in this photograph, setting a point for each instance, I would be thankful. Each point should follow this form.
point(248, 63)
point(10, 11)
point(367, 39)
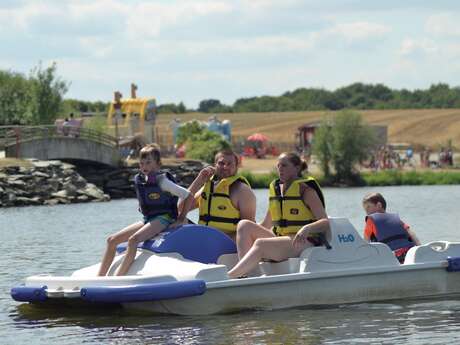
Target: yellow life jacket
point(288, 212)
point(216, 208)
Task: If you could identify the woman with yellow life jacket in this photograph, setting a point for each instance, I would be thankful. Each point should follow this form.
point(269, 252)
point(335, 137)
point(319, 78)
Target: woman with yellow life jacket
point(295, 216)
point(223, 197)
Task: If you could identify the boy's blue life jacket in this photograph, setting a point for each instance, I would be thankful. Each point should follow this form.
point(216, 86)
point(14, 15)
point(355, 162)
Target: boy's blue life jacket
point(390, 230)
point(152, 199)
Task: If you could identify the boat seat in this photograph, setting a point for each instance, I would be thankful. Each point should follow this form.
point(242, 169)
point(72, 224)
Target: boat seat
point(290, 265)
point(194, 242)
point(349, 251)
point(431, 252)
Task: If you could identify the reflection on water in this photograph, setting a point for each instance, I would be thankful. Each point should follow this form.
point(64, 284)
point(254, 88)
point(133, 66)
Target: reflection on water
point(60, 239)
point(433, 322)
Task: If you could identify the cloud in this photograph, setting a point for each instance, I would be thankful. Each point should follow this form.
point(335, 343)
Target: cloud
point(226, 49)
point(417, 47)
point(443, 25)
point(148, 20)
point(358, 31)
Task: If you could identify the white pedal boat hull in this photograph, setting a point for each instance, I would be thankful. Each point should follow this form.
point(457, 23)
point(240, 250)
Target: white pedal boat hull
point(353, 271)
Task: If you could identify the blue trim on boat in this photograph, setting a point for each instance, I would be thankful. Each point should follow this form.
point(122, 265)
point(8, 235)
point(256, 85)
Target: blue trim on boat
point(194, 242)
point(453, 264)
point(144, 292)
point(29, 293)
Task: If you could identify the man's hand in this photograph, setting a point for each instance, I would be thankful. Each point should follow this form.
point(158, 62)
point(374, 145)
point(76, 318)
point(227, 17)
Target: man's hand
point(206, 173)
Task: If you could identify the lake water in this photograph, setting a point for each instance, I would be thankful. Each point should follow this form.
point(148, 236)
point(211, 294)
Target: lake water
point(60, 239)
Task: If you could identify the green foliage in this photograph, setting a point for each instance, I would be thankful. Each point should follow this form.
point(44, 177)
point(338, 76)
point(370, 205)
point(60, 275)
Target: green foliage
point(322, 146)
point(48, 90)
point(354, 96)
point(380, 178)
point(343, 141)
point(200, 143)
point(33, 100)
point(351, 142)
point(396, 178)
point(188, 131)
point(213, 106)
point(171, 108)
point(77, 106)
point(97, 123)
point(16, 99)
point(259, 180)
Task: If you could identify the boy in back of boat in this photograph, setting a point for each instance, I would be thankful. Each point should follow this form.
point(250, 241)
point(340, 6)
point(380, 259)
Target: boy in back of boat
point(387, 228)
point(158, 195)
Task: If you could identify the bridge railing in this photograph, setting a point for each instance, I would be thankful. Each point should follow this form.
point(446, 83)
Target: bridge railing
point(10, 135)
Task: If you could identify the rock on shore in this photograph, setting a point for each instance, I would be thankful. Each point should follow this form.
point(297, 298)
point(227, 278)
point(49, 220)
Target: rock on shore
point(56, 182)
point(46, 183)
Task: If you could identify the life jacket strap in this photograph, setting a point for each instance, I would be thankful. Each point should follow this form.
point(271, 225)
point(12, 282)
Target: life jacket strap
point(281, 198)
point(394, 238)
point(283, 223)
point(221, 195)
point(207, 218)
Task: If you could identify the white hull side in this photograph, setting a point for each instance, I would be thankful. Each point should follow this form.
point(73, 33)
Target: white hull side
point(332, 290)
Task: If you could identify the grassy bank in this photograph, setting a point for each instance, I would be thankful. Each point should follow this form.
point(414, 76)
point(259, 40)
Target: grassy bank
point(381, 178)
point(397, 178)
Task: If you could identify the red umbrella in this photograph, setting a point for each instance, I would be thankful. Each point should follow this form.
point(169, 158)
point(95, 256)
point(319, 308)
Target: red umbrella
point(258, 137)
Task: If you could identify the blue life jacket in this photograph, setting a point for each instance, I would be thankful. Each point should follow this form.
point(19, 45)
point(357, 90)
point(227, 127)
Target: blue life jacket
point(152, 199)
point(390, 230)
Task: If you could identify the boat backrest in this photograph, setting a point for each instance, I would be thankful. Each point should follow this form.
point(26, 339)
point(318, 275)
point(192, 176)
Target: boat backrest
point(432, 252)
point(194, 242)
point(349, 251)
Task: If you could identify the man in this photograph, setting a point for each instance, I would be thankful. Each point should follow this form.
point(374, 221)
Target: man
point(222, 196)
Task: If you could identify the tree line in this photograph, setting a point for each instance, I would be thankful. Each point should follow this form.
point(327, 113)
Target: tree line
point(354, 96)
point(38, 98)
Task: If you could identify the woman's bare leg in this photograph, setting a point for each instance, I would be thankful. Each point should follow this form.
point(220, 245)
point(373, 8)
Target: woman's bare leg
point(275, 248)
point(148, 231)
point(247, 232)
point(112, 242)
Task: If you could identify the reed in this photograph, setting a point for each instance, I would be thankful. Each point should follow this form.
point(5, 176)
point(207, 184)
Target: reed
point(379, 178)
point(397, 178)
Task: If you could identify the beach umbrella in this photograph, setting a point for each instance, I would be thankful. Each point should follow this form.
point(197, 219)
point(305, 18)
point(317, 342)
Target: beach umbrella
point(258, 137)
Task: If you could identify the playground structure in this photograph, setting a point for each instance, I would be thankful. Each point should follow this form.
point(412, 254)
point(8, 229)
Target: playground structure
point(213, 124)
point(133, 116)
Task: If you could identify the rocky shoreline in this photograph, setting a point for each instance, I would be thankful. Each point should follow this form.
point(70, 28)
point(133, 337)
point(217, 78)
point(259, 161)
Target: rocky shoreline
point(55, 182)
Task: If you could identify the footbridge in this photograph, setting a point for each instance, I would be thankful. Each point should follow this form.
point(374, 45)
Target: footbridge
point(51, 142)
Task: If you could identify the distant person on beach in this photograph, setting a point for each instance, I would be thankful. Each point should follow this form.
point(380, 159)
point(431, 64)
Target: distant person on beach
point(409, 156)
point(294, 220)
point(222, 196)
point(387, 228)
point(66, 127)
point(158, 195)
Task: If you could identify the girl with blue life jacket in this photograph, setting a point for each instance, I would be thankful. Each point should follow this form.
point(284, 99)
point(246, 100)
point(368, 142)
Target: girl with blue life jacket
point(158, 195)
point(387, 228)
point(295, 217)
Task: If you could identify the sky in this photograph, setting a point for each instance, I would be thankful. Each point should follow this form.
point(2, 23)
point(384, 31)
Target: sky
point(188, 51)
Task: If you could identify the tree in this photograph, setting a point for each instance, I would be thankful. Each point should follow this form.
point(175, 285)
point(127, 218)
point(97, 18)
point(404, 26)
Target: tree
point(322, 146)
point(172, 108)
point(200, 142)
point(207, 105)
point(15, 99)
point(48, 91)
point(343, 141)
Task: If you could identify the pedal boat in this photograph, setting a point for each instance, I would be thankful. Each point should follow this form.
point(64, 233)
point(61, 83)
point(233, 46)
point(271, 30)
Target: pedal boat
point(185, 272)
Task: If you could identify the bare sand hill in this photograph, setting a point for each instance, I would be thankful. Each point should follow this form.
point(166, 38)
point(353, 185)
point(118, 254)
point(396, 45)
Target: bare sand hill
point(431, 127)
